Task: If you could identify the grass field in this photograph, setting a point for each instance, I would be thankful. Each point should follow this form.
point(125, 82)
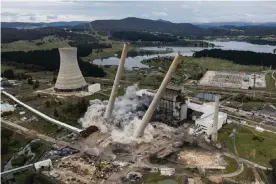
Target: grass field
point(259, 147)
point(16, 70)
point(16, 142)
point(47, 42)
point(224, 65)
point(232, 165)
point(206, 63)
point(108, 52)
point(196, 67)
point(157, 178)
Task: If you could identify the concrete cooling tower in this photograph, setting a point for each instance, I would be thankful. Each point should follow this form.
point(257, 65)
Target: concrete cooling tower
point(69, 76)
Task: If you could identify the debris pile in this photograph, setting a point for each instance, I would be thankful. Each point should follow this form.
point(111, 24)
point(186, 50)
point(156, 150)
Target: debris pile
point(61, 152)
point(85, 169)
point(200, 158)
point(132, 176)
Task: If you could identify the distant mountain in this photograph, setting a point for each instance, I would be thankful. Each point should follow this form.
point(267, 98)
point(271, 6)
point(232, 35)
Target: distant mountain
point(181, 29)
point(161, 20)
point(237, 24)
point(21, 25)
point(138, 24)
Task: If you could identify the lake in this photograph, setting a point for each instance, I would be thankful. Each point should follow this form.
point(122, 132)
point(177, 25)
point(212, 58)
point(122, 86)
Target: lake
point(185, 51)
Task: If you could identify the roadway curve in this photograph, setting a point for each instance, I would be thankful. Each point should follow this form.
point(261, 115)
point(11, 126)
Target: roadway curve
point(239, 159)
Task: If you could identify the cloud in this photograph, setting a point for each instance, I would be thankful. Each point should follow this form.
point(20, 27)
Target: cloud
point(188, 11)
point(145, 15)
point(51, 17)
point(32, 18)
point(161, 14)
point(8, 14)
point(184, 6)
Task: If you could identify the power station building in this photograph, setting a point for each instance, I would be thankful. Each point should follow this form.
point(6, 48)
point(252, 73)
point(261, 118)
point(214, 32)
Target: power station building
point(173, 109)
point(204, 121)
point(69, 77)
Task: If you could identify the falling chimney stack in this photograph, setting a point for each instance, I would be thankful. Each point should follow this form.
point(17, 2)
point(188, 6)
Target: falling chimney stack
point(142, 126)
point(215, 119)
point(120, 70)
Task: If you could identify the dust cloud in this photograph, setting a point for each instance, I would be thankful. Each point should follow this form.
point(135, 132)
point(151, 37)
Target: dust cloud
point(126, 113)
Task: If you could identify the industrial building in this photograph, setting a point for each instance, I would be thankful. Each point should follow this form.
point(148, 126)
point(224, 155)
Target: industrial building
point(205, 121)
point(173, 109)
point(69, 77)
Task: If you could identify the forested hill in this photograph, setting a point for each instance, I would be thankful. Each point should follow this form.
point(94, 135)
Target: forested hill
point(181, 29)
point(240, 57)
point(137, 24)
point(39, 24)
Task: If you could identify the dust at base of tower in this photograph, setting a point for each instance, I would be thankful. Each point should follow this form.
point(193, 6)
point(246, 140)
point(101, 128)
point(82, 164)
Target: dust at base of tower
point(69, 77)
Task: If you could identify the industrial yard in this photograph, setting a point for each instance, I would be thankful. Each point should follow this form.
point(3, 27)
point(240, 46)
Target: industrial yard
point(238, 80)
point(143, 132)
point(94, 110)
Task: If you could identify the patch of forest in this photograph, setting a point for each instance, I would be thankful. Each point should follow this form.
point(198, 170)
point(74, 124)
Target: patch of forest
point(149, 39)
point(11, 34)
point(47, 60)
point(262, 42)
point(179, 43)
point(240, 57)
point(84, 48)
point(142, 36)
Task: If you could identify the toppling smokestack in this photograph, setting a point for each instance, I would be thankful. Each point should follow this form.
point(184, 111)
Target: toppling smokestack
point(120, 70)
point(141, 128)
point(215, 119)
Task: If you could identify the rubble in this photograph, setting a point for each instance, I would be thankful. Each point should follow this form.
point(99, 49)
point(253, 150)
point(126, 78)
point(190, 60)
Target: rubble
point(89, 168)
point(201, 158)
point(167, 171)
point(60, 152)
point(134, 176)
point(22, 112)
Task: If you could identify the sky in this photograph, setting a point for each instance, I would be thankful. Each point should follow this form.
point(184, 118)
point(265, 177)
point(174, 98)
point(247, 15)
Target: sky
point(174, 11)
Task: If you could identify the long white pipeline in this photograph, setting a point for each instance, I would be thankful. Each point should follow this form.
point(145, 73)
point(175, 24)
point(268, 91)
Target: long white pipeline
point(52, 120)
point(120, 70)
point(141, 128)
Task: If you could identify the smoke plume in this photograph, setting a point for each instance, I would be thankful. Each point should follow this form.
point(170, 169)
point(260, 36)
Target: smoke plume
point(126, 113)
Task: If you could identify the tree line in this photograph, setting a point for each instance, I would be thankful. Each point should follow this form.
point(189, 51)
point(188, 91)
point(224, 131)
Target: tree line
point(143, 36)
point(180, 43)
point(262, 42)
point(240, 57)
point(48, 60)
point(11, 34)
point(85, 48)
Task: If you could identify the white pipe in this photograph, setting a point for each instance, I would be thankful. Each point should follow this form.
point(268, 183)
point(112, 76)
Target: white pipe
point(120, 70)
point(59, 123)
point(215, 120)
point(140, 129)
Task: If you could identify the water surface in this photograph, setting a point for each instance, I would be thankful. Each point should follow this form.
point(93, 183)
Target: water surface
point(185, 51)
